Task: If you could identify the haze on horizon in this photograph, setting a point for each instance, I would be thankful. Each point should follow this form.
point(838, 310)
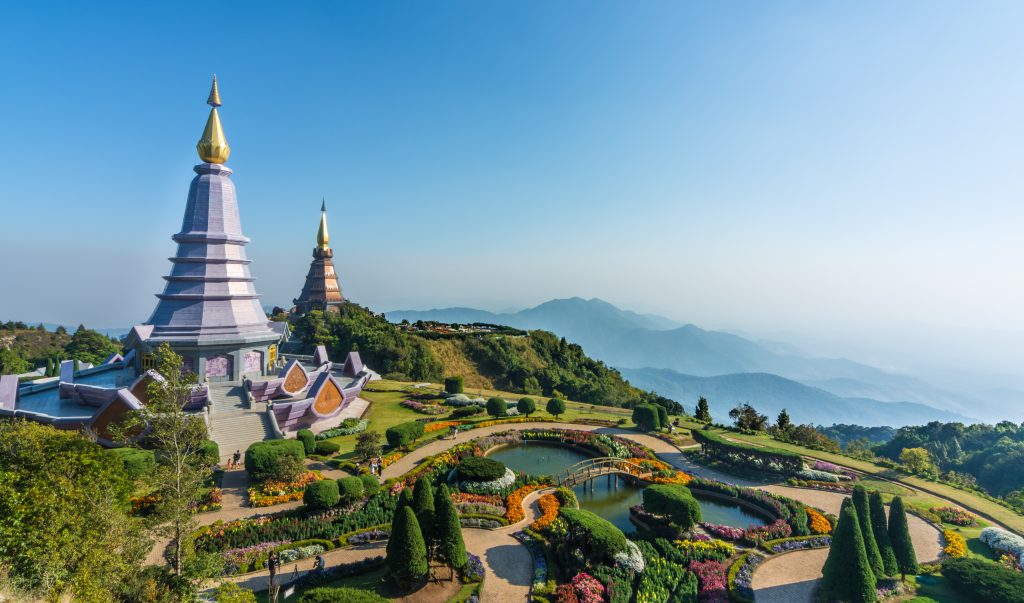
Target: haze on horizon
point(844, 177)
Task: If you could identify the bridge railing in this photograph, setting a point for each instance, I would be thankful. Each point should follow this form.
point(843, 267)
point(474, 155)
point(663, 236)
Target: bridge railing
point(595, 467)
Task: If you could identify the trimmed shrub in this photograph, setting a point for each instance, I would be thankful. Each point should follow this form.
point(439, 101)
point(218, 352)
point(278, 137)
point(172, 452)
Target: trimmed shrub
point(423, 505)
point(454, 385)
point(526, 406)
point(407, 552)
point(466, 411)
point(1002, 541)
point(757, 457)
point(480, 469)
point(308, 439)
point(646, 417)
point(321, 495)
point(847, 574)
point(556, 406)
point(860, 502)
point(137, 462)
point(370, 484)
point(341, 594)
point(980, 580)
point(450, 547)
point(662, 416)
point(881, 531)
point(497, 407)
point(899, 536)
point(327, 448)
point(274, 459)
point(597, 537)
point(350, 488)
point(674, 502)
point(404, 434)
point(210, 451)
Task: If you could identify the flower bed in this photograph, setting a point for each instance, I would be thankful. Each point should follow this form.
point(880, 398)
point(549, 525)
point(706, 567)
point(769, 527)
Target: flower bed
point(583, 588)
point(474, 571)
point(711, 578)
point(757, 534)
point(799, 543)
point(1003, 541)
point(826, 486)
point(144, 504)
point(549, 506)
point(834, 469)
point(955, 516)
point(956, 546)
point(741, 576)
point(487, 499)
point(440, 425)
point(818, 523)
point(274, 492)
point(243, 559)
point(514, 503)
point(487, 523)
point(724, 532)
point(705, 549)
point(496, 485)
point(816, 476)
point(358, 427)
point(426, 409)
point(540, 560)
point(662, 580)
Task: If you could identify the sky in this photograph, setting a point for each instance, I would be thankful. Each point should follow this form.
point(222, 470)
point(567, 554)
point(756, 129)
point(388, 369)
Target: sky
point(842, 172)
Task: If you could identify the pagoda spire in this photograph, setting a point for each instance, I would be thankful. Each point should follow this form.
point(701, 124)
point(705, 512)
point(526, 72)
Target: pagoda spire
point(213, 146)
point(321, 236)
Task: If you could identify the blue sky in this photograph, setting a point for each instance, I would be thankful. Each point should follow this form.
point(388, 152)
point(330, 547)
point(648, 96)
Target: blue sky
point(847, 171)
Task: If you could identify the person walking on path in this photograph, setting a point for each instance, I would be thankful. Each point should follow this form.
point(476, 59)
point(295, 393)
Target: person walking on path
point(236, 458)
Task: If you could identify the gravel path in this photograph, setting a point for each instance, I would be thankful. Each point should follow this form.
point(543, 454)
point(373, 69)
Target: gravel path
point(509, 565)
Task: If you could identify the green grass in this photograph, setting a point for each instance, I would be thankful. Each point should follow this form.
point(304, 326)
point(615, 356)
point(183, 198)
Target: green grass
point(936, 589)
point(385, 410)
point(968, 500)
point(369, 581)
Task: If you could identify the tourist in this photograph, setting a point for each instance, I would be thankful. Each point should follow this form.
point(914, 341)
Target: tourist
point(319, 565)
point(236, 458)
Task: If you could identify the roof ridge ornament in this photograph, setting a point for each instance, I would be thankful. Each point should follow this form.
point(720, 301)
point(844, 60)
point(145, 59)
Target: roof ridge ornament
point(213, 146)
point(322, 239)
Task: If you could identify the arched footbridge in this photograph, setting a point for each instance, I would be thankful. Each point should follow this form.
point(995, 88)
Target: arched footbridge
point(591, 469)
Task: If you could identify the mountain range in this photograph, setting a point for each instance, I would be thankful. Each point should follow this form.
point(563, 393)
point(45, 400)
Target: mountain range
point(682, 361)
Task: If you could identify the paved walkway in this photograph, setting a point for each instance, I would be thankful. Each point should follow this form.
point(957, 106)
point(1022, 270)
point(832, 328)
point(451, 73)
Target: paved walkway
point(508, 563)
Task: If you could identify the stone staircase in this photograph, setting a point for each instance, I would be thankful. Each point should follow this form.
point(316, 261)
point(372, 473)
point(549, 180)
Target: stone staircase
point(232, 425)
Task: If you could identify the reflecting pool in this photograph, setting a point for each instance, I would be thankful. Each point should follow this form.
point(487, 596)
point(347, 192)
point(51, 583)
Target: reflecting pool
point(608, 500)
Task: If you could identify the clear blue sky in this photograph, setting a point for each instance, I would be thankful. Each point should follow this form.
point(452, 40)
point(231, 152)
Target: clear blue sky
point(845, 170)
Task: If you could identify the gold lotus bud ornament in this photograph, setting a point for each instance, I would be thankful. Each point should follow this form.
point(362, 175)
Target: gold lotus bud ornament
point(213, 146)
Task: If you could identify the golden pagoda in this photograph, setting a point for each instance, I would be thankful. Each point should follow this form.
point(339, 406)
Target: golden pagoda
point(321, 291)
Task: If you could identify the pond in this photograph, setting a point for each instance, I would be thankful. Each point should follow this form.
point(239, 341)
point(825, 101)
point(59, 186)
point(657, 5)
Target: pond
point(611, 503)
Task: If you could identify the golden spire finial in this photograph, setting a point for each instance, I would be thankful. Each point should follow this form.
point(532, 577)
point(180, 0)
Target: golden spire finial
point(213, 146)
point(321, 236)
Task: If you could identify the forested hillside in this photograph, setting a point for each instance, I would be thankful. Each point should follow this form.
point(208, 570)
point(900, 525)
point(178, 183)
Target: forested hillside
point(23, 348)
point(534, 362)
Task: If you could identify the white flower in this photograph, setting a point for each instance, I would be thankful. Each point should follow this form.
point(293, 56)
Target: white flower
point(631, 558)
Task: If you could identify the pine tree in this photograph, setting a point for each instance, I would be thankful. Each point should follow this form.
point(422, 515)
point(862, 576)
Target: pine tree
point(860, 502)
point(407, 553)
point(899, 535)
point(881, 531)
point(703, 414)
point(423, 505)
point(847, 575)
point(782, 422)
point(450, 547)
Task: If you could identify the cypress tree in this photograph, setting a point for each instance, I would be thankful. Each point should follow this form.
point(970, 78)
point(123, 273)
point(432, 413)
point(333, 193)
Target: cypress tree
point(881, 531)
point(407, 553)
point(450, 547)
point(899, 535)
point(404, 500)
point(860, 502)
point(847, 574)
point(423, 505)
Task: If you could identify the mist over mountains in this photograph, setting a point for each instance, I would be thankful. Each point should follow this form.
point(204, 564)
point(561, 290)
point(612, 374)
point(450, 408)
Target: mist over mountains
point(684, 361)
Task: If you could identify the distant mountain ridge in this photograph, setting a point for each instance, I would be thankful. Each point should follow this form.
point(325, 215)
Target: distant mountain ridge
point(628, 340)
point(771, 393)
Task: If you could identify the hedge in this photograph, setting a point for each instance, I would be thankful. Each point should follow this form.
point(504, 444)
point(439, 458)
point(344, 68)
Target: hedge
point(466, 411)
point(341, 594)
point(735, 453)
point(403, 434)
point(454, 385)
point(673, 501)
point(984, 581)
point(263, 459)
point(601, 535)
point(646, 417)
point(327, 448)
point(370, 484)
point(137, 462)
point(308, 439)
point(321, 495)
point(350, 488)
point(480, 469)
point(497, 407)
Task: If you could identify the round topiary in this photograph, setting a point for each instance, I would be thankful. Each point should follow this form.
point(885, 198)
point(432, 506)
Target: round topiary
point(480, 469)
point(321, 495)
point(308, 439)
point(350, 488)
point(497, 407)
point(370, 484)
point(327, 448)
point(674, 502)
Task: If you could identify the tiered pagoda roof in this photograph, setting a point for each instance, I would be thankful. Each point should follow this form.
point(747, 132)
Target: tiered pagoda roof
point(321, 291)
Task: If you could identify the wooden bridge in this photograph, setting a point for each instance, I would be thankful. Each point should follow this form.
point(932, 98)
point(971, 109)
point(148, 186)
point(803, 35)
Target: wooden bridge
point(590, 469)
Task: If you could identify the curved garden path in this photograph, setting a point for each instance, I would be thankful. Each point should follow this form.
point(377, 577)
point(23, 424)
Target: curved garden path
point(789, 577)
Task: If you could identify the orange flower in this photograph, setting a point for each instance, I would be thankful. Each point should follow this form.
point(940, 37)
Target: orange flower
point(818, 523)
point(432, 427)
point(549, 506)
point(514, 503)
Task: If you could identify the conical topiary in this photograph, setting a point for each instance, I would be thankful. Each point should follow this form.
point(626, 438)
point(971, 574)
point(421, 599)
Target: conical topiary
point(860, 502)
point(881, 531)
point(847, 574)
point(407, 553)
point(404, 500)
point(450, 547)
point(423, 505)
point(899, 535)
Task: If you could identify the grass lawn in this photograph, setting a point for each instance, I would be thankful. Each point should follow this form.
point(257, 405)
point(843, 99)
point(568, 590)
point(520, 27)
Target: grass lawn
point(936, 589)
point(966, 499)
point(385, 410)
point(368, 581)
